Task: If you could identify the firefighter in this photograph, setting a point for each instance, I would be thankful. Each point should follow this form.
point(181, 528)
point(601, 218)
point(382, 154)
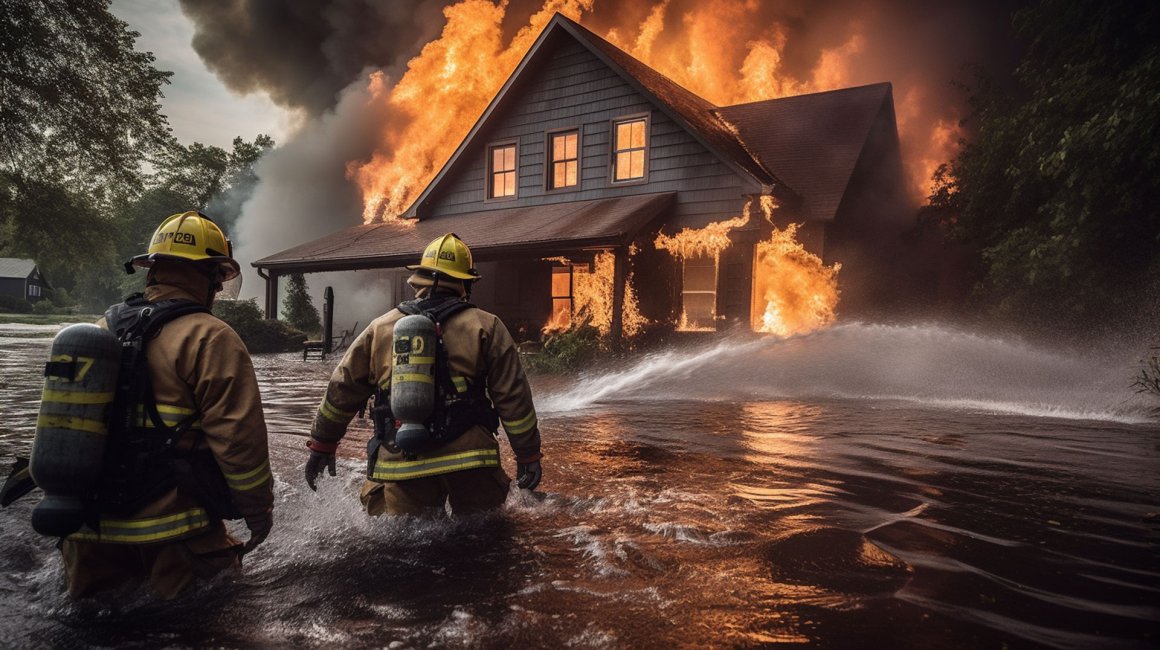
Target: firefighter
point(206, 396)
point(478, 384)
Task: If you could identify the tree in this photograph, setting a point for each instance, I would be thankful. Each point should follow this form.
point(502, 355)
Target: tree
point(297, 308)
point(1056, 190)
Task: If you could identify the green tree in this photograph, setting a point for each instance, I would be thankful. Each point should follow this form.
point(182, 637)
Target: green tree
point(297, 308)
point(1056, 189)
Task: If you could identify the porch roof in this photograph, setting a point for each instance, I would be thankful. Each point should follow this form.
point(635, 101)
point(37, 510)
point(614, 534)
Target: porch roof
point(531, 231)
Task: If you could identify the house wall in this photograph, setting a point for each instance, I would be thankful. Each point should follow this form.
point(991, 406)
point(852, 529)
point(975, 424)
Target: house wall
point(573, 88)
point(12, 287)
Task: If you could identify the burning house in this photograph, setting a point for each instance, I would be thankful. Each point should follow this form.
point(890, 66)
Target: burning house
point(594, 189)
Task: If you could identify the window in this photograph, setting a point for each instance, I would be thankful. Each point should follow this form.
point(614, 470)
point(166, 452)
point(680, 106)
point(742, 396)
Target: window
point(502, 171)
point(628, 149)
point(564, 282)
point(33, 290)
point(565, 168)
point(699, 293)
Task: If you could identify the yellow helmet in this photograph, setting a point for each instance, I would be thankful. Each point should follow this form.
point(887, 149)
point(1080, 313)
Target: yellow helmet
point(191, 237)
point(448, 256)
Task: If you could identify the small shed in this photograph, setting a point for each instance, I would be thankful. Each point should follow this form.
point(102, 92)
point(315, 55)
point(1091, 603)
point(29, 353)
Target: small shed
point(20, 278)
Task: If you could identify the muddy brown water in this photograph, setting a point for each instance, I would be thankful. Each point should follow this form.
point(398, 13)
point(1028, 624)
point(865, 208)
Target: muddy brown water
point(868, 486)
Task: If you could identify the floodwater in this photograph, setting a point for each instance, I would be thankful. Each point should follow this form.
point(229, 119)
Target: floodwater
point(867, 486)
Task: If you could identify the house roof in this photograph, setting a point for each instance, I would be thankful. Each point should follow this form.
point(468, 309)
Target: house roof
point(686, 108)
point(14, 267)
point(812, 141)
point(544, 231)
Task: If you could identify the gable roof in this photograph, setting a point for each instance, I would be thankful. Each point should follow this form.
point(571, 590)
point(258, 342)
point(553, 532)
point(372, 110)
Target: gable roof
point(813, 141)
point(14, 267)
point(687, 109)
point(542, 231)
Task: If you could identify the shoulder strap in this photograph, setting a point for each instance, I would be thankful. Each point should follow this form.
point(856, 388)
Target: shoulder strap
point(439, 309)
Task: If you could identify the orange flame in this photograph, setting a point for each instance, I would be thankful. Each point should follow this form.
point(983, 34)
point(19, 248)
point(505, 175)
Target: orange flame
point(794, 292)
point(592, 300)
point(447, 86)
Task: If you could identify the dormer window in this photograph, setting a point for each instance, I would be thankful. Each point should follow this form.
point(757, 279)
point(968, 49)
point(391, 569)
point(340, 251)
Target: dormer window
point(629, 149)
point(564, 147)
point(501, 162)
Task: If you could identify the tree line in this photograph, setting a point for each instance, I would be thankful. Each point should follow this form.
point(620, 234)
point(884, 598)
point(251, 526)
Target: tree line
point(89, 165)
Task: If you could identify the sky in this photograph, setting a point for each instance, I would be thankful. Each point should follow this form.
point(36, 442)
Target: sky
point(199, 107)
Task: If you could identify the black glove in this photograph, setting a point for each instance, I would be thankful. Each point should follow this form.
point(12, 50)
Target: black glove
point(259, 529)
point(321, 455)
point(528, 474)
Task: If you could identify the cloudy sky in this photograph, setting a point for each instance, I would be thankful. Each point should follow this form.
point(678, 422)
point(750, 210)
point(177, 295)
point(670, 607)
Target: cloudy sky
point(199, 107)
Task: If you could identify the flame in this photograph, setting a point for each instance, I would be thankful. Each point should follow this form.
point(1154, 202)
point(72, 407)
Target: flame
point(794, 292)
point(592, 299)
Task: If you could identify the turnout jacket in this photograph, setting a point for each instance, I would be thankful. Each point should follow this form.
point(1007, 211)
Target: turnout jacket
point(479, 349)
point(198, 364)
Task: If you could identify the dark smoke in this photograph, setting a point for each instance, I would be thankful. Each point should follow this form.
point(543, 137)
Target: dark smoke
point(304, 52)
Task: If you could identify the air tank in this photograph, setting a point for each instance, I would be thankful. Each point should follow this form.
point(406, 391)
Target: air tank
point(71, 430)
point(413, 380)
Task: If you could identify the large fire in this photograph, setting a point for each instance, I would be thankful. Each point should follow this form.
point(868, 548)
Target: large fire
point(793, 291)
point(447, 86)
point(591, 302)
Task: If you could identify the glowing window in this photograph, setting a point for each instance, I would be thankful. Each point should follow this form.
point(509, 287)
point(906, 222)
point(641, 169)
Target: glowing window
point(502, 171)
point(561, 297)
point(699, 293)
point(628, 159)
point(565, 168)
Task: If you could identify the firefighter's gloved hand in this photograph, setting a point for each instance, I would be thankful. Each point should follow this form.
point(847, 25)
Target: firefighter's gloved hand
point(528, 473)
point(259, 529)
point(321, 455)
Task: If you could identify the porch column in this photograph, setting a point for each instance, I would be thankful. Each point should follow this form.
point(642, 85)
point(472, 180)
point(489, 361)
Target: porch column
point(272, 295)
point(619, 270)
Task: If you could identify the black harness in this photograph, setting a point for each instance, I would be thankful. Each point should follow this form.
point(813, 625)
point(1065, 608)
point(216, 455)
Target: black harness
point(142, 463)
point(455, 412)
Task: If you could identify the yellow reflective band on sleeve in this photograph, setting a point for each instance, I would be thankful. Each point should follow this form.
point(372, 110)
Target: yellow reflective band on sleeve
point(420, 361)
point(71, 422)
point(523, 425)
point(249, 480)
point(388, 470)
point(170, 415)
point(71, 397)
point(460, 383)
point(144, 531)
point(412, 376)
point(334, 414)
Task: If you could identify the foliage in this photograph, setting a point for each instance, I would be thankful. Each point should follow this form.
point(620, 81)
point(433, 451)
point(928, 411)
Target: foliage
point(80, 103)
point(1056, 189)
point(1148, 381)
point(259, 334)
point(14, 305)
point(43, 307)
point(568, 350)
point(298, 309)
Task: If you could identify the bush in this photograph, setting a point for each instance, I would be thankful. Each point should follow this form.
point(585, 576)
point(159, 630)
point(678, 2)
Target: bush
point(14, 305)
point(1148, 381)
point(259, 334)
point(43, 307)
point(568, 350)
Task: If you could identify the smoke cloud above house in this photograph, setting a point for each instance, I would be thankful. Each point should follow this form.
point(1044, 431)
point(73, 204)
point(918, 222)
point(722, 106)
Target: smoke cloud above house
point(392, 88)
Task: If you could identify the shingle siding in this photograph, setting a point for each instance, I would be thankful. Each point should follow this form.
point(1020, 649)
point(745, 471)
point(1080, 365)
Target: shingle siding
point(573, 88)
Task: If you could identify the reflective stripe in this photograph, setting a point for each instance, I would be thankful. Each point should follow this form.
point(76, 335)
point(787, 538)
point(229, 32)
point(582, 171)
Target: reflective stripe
point(524, 425)
point(420, 361)
point(388, 470)
point(70, 397)
point(412, 376)
point(334, 414)
point(71, 422)
point(460, 383)
point(170, 415)
point(249, 480)
point(142, 531)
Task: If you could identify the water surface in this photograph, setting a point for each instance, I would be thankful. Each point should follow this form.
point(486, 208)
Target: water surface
point(866, 486)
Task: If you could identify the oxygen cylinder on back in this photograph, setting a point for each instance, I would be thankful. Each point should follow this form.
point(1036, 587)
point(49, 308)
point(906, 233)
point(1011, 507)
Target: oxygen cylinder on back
point(413, 380)
point(69, 448)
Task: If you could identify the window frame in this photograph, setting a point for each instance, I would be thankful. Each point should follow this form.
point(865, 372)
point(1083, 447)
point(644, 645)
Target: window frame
point(716, 260)
point(549, 163)
point(490, 171)
point(612, 150)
